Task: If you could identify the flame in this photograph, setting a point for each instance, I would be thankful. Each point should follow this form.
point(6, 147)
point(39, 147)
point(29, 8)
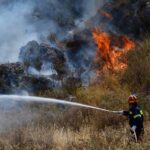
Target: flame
point(106, 14)
point(128, 44)
point(112, 49)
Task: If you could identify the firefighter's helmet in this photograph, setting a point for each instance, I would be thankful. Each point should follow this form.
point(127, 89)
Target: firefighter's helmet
point(132, 99)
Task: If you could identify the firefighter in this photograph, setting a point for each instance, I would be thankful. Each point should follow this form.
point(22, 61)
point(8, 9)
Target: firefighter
point(136, 118)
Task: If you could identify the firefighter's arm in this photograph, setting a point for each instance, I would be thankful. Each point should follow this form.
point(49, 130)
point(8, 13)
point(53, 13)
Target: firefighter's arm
point(122, 112)
point(125, 113)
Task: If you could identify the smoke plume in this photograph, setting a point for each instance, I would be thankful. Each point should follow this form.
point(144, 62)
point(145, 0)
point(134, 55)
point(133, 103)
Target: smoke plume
point(22, 21)
point(15, 29)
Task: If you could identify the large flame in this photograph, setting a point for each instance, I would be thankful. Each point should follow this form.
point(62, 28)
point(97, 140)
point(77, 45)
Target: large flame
point(112, 49)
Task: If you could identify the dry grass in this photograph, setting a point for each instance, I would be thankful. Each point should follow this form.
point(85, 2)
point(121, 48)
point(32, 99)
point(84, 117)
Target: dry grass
point(46, 127)
point(63, 128)
point(107, 93)
point(69, 129)
point(39, 138)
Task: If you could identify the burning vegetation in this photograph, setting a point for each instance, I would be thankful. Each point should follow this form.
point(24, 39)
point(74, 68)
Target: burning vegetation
point(106, 14)
point(112, 48)
point(60, 65)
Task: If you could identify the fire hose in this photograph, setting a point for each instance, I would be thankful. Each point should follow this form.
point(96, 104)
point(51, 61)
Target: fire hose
point(133, 129)
point(135, 136)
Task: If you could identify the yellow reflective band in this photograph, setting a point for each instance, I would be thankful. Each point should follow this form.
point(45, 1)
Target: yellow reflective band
point(136, 116)
point(130, 113)
point(141, 112)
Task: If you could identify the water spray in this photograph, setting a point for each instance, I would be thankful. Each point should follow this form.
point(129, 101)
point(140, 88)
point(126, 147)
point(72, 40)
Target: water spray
point(51, 100)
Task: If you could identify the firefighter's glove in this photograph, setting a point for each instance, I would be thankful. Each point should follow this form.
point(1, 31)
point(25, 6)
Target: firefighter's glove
point(120, 112)
point(133, 128)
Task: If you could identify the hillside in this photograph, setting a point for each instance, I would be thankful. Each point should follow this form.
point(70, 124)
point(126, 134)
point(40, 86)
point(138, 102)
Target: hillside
point(96, 54)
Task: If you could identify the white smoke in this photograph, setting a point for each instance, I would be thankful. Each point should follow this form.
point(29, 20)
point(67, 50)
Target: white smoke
point(47, 69)
point(18, 26)
point(15, 30)
point(91, 7)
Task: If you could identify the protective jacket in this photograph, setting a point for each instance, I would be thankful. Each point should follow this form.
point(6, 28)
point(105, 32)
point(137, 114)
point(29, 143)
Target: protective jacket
point(136, 118)
point(135, 115)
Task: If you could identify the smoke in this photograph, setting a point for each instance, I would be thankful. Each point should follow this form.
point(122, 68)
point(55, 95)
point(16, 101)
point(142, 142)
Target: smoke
point(15, 30)
point(15, 114)
point(47, 69)
point(22, 21)
point(91, 7)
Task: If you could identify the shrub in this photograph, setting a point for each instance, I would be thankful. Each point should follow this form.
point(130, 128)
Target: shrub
point(137, 74)
point(108, 93)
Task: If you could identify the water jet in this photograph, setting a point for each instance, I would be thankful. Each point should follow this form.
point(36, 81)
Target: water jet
point(50, 100)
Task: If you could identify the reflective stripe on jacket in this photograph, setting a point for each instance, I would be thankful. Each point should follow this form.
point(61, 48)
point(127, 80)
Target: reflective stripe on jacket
point(135, 115)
